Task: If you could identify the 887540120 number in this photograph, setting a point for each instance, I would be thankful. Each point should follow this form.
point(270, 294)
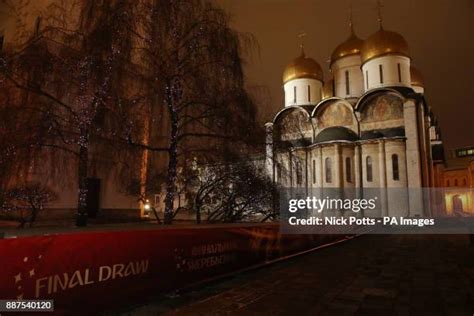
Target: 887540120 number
point(26, 305)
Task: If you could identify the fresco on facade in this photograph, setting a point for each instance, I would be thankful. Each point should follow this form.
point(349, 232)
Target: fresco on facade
point(383, 108)
point(336, 114)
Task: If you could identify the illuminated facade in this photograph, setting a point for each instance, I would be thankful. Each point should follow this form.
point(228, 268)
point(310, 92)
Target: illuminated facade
point(367, 127)
point(456, 176)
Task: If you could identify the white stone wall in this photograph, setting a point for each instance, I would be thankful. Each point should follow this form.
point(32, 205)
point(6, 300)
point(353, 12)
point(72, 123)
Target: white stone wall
point(397, 191)
point(302, 91)
point(414, 180)
point(389, 63)
point(396, 196)
point(352, 65)
point(269, 159)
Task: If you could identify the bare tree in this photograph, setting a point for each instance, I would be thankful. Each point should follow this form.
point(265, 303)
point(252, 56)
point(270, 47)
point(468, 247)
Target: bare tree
point(232, 192)
point(195, 59)
point(67, 78)
point(24, 202)
point(96, 85)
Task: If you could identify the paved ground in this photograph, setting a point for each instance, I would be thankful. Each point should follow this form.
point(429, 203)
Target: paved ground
point(371, 275)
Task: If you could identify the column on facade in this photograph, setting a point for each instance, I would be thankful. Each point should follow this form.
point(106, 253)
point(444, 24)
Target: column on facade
point(413, 158)
point(269, 160)
point(357, 173)
point(426, 159)
point(319, 173)
point(305, 169)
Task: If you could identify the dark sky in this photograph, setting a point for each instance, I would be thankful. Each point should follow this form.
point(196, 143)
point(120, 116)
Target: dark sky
point(440, 35)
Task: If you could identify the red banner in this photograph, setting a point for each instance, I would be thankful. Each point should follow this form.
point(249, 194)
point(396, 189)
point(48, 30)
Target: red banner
point(95, 270)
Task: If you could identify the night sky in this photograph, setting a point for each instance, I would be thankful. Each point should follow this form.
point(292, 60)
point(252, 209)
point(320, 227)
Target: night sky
point(439, 34)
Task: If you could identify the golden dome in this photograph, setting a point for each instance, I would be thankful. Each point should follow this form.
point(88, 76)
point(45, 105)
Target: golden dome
point(302, 67)
point(416, 77)
point(351, 46)
point(384, 43)
point(328, 91)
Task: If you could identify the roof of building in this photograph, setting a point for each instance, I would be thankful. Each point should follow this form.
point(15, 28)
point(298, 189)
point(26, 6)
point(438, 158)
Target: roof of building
point(302, 67)
point(384, 42)
point(350, 46)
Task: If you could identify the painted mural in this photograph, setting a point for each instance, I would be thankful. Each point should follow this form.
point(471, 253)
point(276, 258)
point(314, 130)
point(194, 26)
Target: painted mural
point(335, 114)
point(383, 108)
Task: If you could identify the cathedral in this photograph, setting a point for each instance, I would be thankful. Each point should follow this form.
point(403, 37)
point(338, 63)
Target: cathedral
point(369, 127)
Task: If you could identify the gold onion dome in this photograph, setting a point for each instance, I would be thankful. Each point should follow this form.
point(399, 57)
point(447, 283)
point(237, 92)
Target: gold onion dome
point(303, 67)
point(384, 43)
point(351, 46)
point(328, 87)
point(416, 77)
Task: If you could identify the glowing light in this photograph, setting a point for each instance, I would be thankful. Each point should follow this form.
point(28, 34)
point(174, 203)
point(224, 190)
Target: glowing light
point(147, 205)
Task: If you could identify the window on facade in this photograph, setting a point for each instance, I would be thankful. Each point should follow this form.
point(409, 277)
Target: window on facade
point(455, 182)
point(347, 83)
point(314, 171)
point(447, 183)
point(399, 73)
point(309, 94)
point(299, 174)
point(395, 170)
point(328, 169)
point(366, 79)
point(37, 25)
point(348, 170)
point(294, 94)
point(368, 165)
point(381, 73)
point(278, 173)
point(1, 41)
point(464, 182)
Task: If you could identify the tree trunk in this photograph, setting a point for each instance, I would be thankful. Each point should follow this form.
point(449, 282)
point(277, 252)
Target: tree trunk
point(34, 213)
point(172, 166)
point(81, 219)
point(197, 209)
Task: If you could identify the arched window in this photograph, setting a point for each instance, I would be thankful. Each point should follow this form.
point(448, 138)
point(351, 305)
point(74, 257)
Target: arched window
point(328, 167)
point(309, 94)
point(368, 165)
point(455, 182)
point(366, 79)
point(381, 73)
point(464, 182)
point(447, 183)
point(399, 73)
point(395, 170)
point(294, 94)
point(299, 173)
point(314, 171)
point(348, 170)
point(347, 83)
point(37, 25)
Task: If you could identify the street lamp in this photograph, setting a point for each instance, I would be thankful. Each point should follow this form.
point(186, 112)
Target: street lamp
point(147, 205)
